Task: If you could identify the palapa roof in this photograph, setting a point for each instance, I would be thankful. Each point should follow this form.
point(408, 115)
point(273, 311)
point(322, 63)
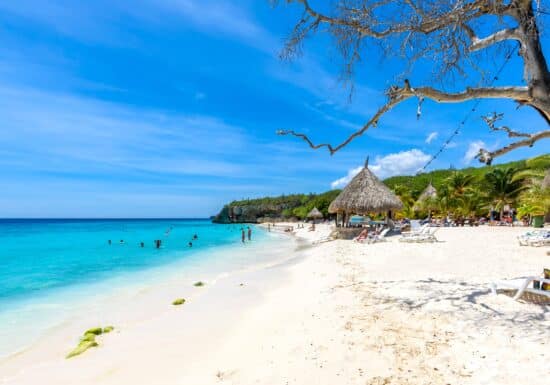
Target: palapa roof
point(365, 194)
point(429, 192)
point(315, 213)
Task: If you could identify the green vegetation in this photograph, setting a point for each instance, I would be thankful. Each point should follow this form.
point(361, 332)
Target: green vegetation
point(88, 341)
point(295, 205)
point(178, 301)
point(474, 191)
point(97, 331)
point(467, 192)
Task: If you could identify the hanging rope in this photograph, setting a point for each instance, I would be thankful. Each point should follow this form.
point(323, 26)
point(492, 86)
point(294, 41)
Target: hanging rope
point(463, 121)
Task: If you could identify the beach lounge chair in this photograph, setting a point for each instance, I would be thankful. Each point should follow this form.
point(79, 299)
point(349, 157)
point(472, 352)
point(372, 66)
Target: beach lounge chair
point(416, 231)
point(522, 285)
point(424, 235)
point(534, 238)
point(379, 237)
point(328, 238)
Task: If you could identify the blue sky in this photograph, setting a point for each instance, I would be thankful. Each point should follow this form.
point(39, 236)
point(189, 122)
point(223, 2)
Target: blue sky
point(156, 108)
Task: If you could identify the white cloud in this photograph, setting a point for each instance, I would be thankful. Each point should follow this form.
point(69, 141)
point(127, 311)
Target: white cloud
point(473, 150)
point(341, 182)
point(400, 163)
point(431, 137)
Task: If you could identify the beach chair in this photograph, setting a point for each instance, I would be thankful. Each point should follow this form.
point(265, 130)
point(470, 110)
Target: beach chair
point(416, 231)
point(521, 285)
point(328, 238)
point(424, 235)
point(379, 237)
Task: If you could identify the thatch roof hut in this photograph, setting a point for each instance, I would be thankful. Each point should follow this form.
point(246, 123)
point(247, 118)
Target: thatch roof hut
point(315, 213)
point(365, 194)
point(429, 192)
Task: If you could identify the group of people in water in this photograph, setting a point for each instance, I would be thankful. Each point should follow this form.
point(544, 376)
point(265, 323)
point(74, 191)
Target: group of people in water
point(245, 234)
point(158, 242)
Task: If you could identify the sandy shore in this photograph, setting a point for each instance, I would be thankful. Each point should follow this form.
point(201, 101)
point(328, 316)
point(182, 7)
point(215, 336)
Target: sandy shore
point(336, 313)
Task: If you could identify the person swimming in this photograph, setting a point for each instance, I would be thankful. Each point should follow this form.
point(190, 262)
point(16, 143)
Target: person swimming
point(249, 233)
point(243, 236)
point(109, 241)
point(121, 241)
point(195, 236)
point(142, 244)
point(190, 244)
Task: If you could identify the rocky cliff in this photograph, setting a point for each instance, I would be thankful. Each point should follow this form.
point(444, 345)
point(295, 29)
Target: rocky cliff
point(250, 213)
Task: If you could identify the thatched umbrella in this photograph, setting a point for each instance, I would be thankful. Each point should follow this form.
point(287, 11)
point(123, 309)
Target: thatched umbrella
point(365, 194)
point(429, 193)
point(315, 214)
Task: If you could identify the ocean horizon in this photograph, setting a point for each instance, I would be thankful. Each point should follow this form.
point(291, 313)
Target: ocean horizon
point(51, 266)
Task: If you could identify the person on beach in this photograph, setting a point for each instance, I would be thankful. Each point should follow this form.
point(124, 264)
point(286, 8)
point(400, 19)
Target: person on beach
point(242, 235)
point(249, 233)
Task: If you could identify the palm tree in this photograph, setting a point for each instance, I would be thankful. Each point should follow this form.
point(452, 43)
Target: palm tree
point(502, 187)
point(460, 183)
point(404, 193)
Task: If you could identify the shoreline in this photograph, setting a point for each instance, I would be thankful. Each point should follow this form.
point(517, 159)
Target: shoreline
point(339, 312)
point(105, 295)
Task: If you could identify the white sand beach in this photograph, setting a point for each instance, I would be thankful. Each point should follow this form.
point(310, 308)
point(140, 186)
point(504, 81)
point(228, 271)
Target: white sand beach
point(334, 313)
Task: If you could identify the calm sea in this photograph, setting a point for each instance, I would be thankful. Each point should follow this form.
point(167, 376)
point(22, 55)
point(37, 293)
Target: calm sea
point(47, 264)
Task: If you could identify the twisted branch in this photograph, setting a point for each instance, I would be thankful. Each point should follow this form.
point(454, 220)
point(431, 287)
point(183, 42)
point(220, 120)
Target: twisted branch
point(397, 95)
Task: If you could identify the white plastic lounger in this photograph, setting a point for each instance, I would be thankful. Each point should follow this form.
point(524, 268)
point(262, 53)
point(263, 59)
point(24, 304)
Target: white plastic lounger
point(522, 286)
point(322, 240)
point(418, 231)
point(380, 237)
point(426, 236)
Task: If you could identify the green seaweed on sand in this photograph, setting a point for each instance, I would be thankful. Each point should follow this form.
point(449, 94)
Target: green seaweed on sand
point(199, 284)
point(179, 301)
point(97, 331)
point(88, 341)
point(81, 348)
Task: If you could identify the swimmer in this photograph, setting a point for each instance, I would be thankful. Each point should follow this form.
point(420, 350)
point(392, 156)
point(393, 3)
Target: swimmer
point(110, 242)
point(195, 236)
point(142, 244)
point(190, 244)
point(121, 241)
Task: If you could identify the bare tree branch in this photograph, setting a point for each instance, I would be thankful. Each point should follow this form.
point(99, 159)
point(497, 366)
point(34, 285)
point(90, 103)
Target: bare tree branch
point(397, 95)
point(492, 119)
point(505, 34)
point(487, 157)
point(441, 32)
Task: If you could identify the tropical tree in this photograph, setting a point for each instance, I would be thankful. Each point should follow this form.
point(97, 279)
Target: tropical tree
point(405, 195)
point(443, 34)
point(502, 188)
point(459, 183)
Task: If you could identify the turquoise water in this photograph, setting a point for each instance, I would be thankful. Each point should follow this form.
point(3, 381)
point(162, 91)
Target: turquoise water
point(47, 264)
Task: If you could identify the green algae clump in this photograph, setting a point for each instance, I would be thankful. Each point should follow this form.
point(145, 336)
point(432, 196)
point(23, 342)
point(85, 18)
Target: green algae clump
point(81, 348)
point(199, 284)
point(179, 301)
point(88, 341)
point(97, 331)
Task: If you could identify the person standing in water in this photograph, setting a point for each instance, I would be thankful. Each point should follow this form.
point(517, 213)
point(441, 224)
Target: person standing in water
point(242, 235)
point(249, 233)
